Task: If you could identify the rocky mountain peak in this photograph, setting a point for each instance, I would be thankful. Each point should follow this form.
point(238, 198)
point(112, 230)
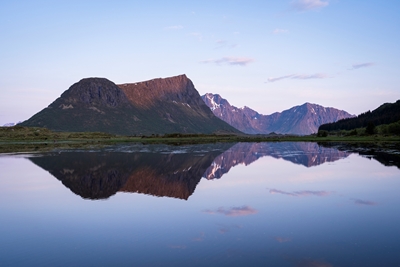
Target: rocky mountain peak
point(302, 120)
point(215, 101)
point(146, 94)
point(92, 92)
point(157, 106)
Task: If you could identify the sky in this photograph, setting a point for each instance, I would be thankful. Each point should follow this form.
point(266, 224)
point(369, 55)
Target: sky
point(267, 55)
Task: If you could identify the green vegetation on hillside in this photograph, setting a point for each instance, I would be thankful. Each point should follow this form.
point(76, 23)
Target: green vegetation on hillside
point(385, 114)
point(381, 130)
point(98, 105)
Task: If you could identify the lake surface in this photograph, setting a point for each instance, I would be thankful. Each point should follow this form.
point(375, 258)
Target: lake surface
point(245, 204)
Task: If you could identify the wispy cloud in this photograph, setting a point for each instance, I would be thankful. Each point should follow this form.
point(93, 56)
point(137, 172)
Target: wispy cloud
point(240, 61)
point(364, 202)
point(223, 229)
point(233, 212)
point(280, 31)
point(225, 44)
point(299, 77)
point(362, 65)
point(199, 238)
point(305, 5)
point(177, 246)
point(281, 239)
point(174, 27)
point(300, 193)
point(312, 76)
point(312, 263)
point(274, 79)
point(197, 35)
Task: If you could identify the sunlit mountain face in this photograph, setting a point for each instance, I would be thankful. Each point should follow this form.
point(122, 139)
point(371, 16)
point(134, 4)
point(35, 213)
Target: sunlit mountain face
point(158, 106)
point(301, 120)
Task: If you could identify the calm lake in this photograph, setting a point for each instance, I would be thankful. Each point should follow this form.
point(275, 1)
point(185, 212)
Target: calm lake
point(245, 204)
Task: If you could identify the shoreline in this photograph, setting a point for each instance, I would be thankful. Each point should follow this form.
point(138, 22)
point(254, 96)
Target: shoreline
point(28, 139)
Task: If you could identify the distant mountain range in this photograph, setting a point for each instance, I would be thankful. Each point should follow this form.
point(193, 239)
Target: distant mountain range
point(10, 124)
point(384, 114)
point(167, 171)
point(300, 120)
point(306, 154)
point(157, 106)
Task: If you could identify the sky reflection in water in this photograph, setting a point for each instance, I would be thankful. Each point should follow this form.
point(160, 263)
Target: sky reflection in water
point(265, 204)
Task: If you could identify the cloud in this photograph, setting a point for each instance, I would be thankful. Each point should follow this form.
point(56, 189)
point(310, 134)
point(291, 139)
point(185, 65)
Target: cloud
point(299, 77)
point(174, 27)
point(274, 79)
point(199, 238)
point(303, 193)
point(197, 35)
point(223, 229)
point(364, 202)
point(313, 263)
point(225, 44)
point(362, 65)
point(282, 239)
point(312, 76)
point(280, 31)
point(233, 212)
point(305, 5)
point(177, 246)
point(241, 61)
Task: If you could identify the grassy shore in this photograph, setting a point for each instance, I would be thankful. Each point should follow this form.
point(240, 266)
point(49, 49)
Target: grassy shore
point(28, 139)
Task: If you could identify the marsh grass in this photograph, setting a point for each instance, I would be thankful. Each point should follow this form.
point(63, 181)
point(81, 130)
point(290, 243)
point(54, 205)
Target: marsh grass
point(28, 139)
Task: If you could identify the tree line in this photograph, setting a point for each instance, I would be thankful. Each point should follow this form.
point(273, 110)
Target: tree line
point(385, 114)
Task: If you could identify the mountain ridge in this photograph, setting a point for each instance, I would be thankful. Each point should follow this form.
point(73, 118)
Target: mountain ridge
point(158, 106)
point(302, 120)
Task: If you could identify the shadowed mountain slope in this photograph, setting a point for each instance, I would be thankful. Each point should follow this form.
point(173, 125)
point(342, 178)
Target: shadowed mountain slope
point(384, 114)
point(98, 175)
point(170, 171)
point(301, 120)
point(153, 107)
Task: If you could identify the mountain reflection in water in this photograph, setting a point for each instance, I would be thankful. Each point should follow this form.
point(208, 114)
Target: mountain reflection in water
point(159, 172)
point(169, 171)
point(300, 204)
point(388, 154)
point(302, 153)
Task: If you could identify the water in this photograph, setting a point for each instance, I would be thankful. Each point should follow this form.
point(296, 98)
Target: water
point(246, 204)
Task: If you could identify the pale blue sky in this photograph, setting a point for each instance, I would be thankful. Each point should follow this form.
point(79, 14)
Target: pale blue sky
point(267, 55)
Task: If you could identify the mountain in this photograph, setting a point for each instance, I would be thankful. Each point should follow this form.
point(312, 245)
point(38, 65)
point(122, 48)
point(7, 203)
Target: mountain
point(301, 120)
point(306, 154)
point(387, 154)
point(384, 114)
point(152, 107)
point(164, 172)
point(167, 171)
point(10, 124)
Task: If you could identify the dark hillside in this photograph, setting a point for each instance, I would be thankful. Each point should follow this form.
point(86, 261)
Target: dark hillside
point(158, 106)
point(385, 114)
